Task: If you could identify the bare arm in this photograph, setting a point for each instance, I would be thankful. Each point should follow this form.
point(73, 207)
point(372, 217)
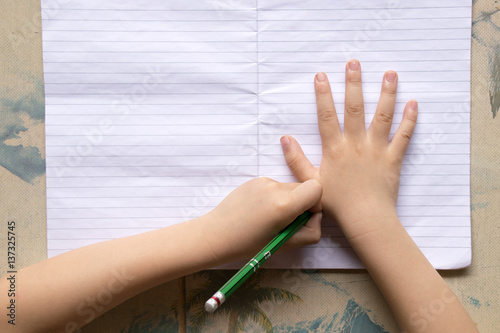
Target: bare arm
point(68, 291)
point(360, 172)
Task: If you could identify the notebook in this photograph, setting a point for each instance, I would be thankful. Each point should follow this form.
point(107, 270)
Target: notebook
point(156, 110)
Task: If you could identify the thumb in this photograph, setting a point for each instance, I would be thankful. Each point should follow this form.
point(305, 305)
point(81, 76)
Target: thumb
point(306, 196)
point(298, 163)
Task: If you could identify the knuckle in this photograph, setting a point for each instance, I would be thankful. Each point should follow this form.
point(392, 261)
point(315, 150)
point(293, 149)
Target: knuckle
point(294, 162)
point(354, 79)
point(262, 180)
point(412, 122)
point(384, 117)
point(389, 90)
point(323, 91)
point(334, 154)
point(265, 182)
point(406, 135)
point(395, 164)
point(282, 205)
point(355, 109)
point(326, 114)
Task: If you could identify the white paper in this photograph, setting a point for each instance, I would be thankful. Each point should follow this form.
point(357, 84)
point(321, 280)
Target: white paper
point(156, 110)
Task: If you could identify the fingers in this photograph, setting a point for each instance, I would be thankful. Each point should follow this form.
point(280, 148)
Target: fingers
point(306, 196)
point(382, 121)
point(328, 123)
point(298, 163)
point(309, 234)
point(401, 138)
point(354, 114)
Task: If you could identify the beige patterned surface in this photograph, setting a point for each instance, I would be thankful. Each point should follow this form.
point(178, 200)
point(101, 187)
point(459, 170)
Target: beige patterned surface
point(21, 79)
point(325, 294)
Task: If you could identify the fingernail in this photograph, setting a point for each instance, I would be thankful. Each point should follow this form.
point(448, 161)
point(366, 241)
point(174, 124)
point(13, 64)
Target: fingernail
point(321, 77)
point(353, 65)
point(414, 105)
point(285, 141)
point(390, 76)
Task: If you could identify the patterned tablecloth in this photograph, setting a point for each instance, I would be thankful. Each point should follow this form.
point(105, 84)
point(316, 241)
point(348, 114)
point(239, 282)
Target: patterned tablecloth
point(298, 300)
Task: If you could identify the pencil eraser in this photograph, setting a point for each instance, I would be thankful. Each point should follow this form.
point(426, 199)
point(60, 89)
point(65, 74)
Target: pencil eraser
point(211, 305)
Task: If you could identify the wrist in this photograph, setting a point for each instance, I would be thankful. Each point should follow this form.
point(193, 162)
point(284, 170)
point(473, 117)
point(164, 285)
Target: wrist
point(366, 219)
point(213, 237)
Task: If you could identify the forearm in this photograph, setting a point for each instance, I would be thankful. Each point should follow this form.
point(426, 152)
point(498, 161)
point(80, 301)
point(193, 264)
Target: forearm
point(360, 171)
point(420, 299)
point(67, 291)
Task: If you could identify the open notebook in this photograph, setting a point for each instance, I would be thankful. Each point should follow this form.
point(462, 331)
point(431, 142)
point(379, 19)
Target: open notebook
point(155, 110)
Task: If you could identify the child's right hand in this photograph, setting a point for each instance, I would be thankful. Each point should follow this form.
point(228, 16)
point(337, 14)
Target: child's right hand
point(250, 216)
point(360, 168)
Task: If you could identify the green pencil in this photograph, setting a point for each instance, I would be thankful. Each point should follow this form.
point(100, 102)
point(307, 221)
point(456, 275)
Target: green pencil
point(244, 273)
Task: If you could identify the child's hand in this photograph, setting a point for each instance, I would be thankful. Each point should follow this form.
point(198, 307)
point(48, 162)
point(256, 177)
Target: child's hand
point(360, 168)
point(250, 216)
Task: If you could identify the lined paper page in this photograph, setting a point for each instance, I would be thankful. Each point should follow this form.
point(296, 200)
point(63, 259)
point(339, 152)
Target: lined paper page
point(151, 114)
point(155, 111)
point(428, 44)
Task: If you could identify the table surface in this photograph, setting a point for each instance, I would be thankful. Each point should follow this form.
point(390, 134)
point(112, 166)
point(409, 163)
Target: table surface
point(332, 300)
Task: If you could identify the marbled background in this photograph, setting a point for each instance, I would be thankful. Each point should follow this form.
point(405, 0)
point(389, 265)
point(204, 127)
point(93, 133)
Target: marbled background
point(275, 300)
